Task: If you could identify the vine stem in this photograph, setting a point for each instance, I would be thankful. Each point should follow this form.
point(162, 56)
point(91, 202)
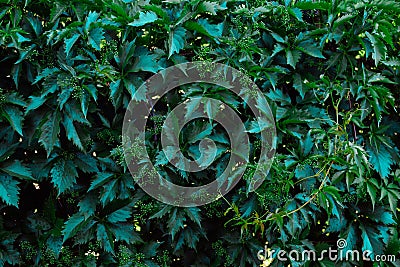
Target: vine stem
point(311, 198)
point(354, 126)
point(311, 176)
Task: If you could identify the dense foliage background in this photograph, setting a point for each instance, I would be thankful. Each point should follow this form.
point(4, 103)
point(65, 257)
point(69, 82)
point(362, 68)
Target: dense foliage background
point(329, 68)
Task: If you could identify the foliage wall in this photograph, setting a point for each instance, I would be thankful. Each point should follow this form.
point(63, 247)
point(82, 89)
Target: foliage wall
point(68, 68)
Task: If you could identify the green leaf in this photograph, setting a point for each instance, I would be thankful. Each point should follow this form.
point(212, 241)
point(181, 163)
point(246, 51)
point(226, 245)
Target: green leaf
point(277, 37)
point(248, 207)
point(21, 38)
point(36, 25)
point(9, 190)
point(14, 117)
point(86, 163)
point(292, 57)
point(101, 179)
point(146, 63)
point(87, 206)
point(379, 48)
point(198, 131)
point(194, 214)
point(392, 62)
point(105, 237)
point(91, 89)
point(15, 99)
point(54, 244)
point(64, 96)
point(310, 49)
point(56, 11)
point(204, 27)
point(47, 72)
point(36, 102)
point(91, 18)
point(70, 42)
point(298, 85)
point(72, 116)
point(380, 159)
point(15, 73)
point(372, 188)
point(371, 240)
point(144, 18)
point(95, 36)
point(110, 192)
point(151, 248)
point(72, 133)
point(313, 5)
point(16, 169)
point(296, 13)
point(307, 144)
point(392, 192)
point(25, 53)
point(63, 175)
point(176, 40)
point(176, 222)
point(125, 232)
point(351, 238)
point(277, 48)
point(49, 131)
point(84, 99)
point(73, 225)
point(116, 93)
point(381, 215)
point(211, 7)
point(121, 215)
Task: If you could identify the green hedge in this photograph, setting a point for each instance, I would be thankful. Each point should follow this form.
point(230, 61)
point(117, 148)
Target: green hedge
point(68, 69)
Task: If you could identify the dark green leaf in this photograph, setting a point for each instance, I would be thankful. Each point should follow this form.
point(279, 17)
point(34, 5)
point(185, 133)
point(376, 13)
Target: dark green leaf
point(9, 190)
